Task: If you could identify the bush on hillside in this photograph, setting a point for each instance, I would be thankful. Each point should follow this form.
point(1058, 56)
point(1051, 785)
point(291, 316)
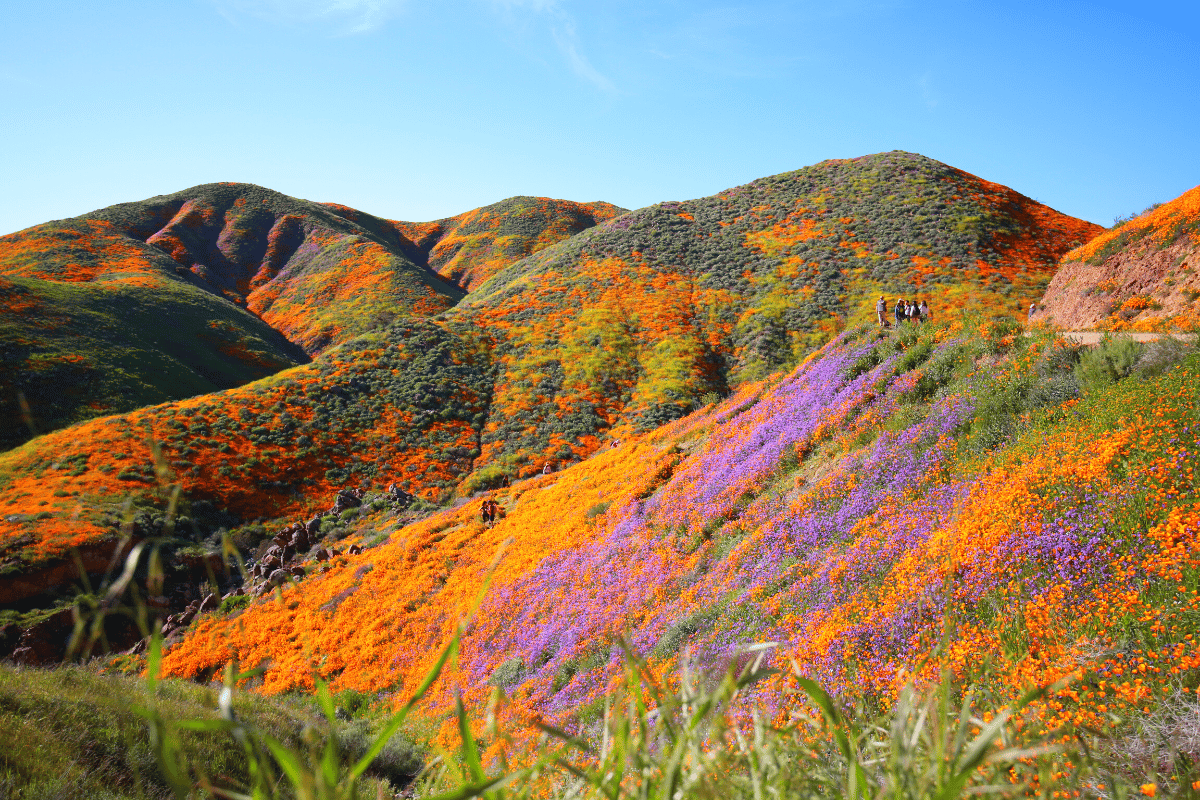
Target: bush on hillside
point(1113, 359)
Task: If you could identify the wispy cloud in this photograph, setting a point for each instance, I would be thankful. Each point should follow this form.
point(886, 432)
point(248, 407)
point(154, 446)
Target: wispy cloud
point(344, 17)
point(925, 84)
point(564, 33)
point(567, 42)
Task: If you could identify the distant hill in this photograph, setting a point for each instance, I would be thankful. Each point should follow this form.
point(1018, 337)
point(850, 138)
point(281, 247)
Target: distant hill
point(1141, 275)
point(119, 308)
point(319, 274)
point(470, 248)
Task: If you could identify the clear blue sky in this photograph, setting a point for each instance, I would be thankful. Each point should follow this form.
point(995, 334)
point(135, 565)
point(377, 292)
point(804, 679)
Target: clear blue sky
point(415, 110)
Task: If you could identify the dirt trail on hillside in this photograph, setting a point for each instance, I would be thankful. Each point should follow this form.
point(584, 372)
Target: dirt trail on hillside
point(1094, 337)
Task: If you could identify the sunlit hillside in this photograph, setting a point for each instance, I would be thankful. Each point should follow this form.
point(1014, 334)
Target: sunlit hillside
point(945, 498)
point(218, 285)
point(632, 323)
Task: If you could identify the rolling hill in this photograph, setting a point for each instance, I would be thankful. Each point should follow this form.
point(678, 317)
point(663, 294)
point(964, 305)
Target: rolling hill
point(122, 307)
point(630, 324)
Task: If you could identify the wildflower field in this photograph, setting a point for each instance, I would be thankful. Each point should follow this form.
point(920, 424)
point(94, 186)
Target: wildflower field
point(949, 500)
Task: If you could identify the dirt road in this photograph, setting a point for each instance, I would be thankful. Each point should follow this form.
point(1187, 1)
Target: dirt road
point(1094, 337)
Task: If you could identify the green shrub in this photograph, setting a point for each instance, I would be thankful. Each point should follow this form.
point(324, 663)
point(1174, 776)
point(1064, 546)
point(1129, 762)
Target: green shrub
point(1113, 359)
point(510, 673)
point(597, 509)
point(490, 477)
point(237, 601)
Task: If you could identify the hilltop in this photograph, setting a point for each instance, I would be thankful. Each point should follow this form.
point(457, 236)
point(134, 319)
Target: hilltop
point(634, 322)
point(1142, 275)
point(469, 248)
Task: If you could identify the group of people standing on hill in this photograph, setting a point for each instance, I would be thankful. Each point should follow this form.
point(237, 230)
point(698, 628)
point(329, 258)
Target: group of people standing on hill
point(904, 310)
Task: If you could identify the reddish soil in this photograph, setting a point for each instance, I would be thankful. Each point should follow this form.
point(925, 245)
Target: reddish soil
point(1140, 288)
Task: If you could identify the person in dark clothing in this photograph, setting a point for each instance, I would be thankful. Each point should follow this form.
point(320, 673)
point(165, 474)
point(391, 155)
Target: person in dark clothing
point(900, 315)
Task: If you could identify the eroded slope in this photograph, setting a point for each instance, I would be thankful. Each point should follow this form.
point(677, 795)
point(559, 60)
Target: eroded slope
point(1143, 275)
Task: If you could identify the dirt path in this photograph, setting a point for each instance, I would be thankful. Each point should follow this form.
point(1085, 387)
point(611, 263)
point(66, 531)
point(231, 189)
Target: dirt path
point(1094, 337)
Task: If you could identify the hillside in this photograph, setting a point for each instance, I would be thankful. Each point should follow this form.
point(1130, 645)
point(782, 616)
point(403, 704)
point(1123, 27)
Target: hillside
point(949, 498)
point(1142, 275)
point(120, 306)
point(556, 355)
point(318, 274)
point(469, 248)
point(75, 351)
point(631, 323)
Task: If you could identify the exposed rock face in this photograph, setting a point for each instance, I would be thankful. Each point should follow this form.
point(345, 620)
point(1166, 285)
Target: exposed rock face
point(1140, 289)
point(45, 642)
point(1141, 275)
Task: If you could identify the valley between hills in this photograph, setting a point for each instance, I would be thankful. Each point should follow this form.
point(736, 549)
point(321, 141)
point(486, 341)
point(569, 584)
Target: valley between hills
point(283, 416)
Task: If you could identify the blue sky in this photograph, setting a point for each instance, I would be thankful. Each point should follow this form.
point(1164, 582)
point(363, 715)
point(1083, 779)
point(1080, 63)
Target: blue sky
point(417, 110)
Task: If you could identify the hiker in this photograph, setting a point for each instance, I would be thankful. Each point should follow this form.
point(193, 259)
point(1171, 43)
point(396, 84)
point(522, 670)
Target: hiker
point(900, 316)
point(881, 311)
point(494, 509)
point(485, 512)
point(1032, 309)
point(924, 309)
point(912, 311)
point(546, 470)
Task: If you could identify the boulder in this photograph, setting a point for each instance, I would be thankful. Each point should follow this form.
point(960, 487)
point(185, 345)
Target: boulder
point(313, 526)
point(298, 571)
point(45, 642)
point(321, 555)
point(279, 577)
point(354, 550)
point(210, 603)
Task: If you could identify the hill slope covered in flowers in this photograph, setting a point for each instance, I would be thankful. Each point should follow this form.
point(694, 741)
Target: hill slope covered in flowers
point(947, 498)
point(630, 324)
point(122, 306)
point(1142, 275)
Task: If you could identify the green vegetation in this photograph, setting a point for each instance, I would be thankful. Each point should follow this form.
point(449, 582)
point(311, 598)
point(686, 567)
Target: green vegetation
point(74, 731)
point(84, 350)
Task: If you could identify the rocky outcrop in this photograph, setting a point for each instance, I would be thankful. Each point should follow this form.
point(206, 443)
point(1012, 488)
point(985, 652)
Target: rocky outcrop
point(1143, 274)
point(1143, 288)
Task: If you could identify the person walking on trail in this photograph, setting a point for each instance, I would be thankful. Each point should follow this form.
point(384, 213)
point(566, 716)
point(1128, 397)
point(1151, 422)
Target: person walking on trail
point(912, 311)
point(900, 315)
point(881, 311)
point(485, 512)
point(546, 470)
point(1032, 309)
point(924, 309)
